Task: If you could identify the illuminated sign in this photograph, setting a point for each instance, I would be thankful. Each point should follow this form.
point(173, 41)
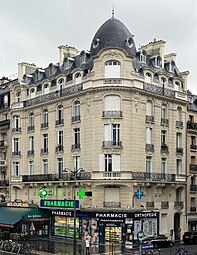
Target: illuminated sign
point(42, 193)
point(17, 204)
point(139, 193)
point(81, 193)
point(59, 203)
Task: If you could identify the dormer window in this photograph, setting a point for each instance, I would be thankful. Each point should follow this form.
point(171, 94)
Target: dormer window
point(148, 78)
point(32, 93)
point(78, 78)
point(129, 42)
point(46, 89)
point(163, 81)
point(112, 69)
point(18, 96)
point(83, 58)
point(95, 43)
point(61, 84)
point(156, 61)
point(143, 56)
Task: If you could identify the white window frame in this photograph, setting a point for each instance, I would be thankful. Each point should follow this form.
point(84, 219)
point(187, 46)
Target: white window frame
point(44, 166)
point(31, 167)
point(16, 168)
point(148, 164)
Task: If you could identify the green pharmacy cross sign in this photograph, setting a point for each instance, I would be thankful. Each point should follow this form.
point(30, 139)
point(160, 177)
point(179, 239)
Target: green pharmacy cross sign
point(81, 193)
point(43, 193)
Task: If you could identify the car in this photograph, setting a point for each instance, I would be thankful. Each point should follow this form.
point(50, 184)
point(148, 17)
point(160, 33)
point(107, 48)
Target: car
point(160, 241)
point(190, 237)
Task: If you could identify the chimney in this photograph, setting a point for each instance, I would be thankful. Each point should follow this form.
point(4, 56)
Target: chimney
point(25, 68)
point(66, 51)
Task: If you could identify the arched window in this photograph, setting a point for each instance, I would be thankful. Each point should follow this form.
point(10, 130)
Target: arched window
point(60, 115)
point(44, 118)
point(148, 78)
point(112, 69)
point(46, 89)
point(143, 56)
point(18, 96)
point(31, 121)
point(61, 84)
point(32, 93)
point(163, 81)
point(78, 78)
point(177, 85)
point(16, 123)
point(76, 111)
point(156, 76)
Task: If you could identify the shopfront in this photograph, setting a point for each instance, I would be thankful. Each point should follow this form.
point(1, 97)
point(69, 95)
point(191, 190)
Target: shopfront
point(102, 227)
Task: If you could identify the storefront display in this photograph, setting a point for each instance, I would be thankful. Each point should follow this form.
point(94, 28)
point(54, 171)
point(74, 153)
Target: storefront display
point(64, 226)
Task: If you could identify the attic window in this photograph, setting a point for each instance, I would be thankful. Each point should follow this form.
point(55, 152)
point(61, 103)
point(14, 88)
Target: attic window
point(83, 58)
point(171, 67)
point(129, 42)
point(143, 56)
point(95, 43)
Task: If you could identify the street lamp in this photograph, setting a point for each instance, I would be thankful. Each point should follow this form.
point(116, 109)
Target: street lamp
point(74, 174)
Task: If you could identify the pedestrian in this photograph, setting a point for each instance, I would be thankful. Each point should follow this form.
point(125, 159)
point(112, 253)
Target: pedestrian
point(87, 242)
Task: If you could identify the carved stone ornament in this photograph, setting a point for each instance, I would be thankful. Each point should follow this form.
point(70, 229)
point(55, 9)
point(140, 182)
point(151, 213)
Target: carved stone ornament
point(113, 53)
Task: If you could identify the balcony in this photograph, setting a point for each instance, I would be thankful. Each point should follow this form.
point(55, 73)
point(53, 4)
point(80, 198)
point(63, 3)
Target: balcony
point(159, 90)
point(112, 114)
point(59, 122)
point(52, 96)
point(178, 205)
point(179, 151)
point(4, 123)
point(149, 119)
point(45, 125)
point(164, 121)
point(165, 205)
point(193, 147)
point(191, 125)
point(112, 81)
point(75, 147)
point(164, 148)
point(112, 144)
point(59, 148)
point(44, 151)
point(30, 153)
point(179, 124)
point(31, 128)
point(143, 176)
point(192, 209)
point(3, 144)
point(17, 129)
point(114, 175)
point(193, 187)
point(55, 177)
point(3, 163)
point(4, 183)
point(112, 204)
point(16, 153)
point(193, 167)
point(149, 147)
point(150, 205)
point(76, 118)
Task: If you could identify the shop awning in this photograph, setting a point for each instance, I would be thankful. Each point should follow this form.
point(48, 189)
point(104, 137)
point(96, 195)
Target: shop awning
point(11, 215)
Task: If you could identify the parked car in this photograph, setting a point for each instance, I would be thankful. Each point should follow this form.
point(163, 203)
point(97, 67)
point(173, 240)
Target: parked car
point(160, 241)
point(190, 237)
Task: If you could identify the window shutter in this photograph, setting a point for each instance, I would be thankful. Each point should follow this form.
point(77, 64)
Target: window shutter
point(115, 163)
point(112, 71)
point(112, 103)
point(107, 132)
point(101, 162)
point(149, 108)
point(148, 135)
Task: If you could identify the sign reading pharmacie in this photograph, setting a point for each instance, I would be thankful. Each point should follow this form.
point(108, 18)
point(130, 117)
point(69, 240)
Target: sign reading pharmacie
point(59, 203)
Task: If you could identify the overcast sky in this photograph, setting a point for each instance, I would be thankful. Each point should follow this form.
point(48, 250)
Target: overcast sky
point(31, 31)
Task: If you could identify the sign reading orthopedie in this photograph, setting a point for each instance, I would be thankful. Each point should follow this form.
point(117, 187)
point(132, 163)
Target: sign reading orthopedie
point(59, 203)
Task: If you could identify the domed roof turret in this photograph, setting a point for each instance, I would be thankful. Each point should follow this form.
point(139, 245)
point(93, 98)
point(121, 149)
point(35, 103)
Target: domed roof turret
point(113, 33)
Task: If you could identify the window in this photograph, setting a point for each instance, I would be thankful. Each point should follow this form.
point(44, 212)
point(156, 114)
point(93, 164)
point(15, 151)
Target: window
point(179, 166)
point(178, 140)
point(179, 114)
point(148, 78)
point(148, 164)
point(5, 101)
point(143, 56)
point(109, 162)
point(193, 180)
point(163, 137)
point(112, 106)
point(44, 118)
point(46, 89)
point(76, 162)
point(193, 140)
point(149, 108)
point(60, 166)
point(32, 93)
point(76, 139)
point(45, 166)
point(163, 81)
point(16, 123)
point(112, 134)
point(163, 166)
point(61, 84)
point(164, 116)
point(18, 97)
point(16, 168)
point(31, 143)
point(31, 167)
point(112, 69)
point(60, 138)
point(83, 58)
point(45, 142)
point(76, 111)
point(78, 78)
point(60, 115)
point(15, 147)
point(193, 202)
point(31, 119)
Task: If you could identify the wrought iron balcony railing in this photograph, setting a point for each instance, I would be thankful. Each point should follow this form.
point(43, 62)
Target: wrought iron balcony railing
point(3, 143)
point(164, 148)
point(179, 150)
point(193, 209)
point(45, 125)
point(159, 90)
point(193, 167)
point(109, 144)
point(164, 121)
point(76, 118)
point(192, 125)
point(5, 123)
point(59, 122)
point(30, 153)
point(4, 183)
point(193, 187)
point(150, 119)
point(59, 148)
point(112, 204)
point(16, 129)
point(179, 124)
point(75, 146)
point(16, 153)
point(44, 151)
point(143, 176)
point(112, 114)
point(149, 147)
point(56, 177)
point(31, 128)
point(178, 204)
point(165, 205)
point(193, 147)
point(150, 204)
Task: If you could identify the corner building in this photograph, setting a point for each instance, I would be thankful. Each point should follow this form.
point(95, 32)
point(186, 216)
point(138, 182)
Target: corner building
point(119, 113)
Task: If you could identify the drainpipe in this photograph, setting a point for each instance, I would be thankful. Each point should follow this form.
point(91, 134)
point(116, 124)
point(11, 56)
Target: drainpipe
point(186, 176)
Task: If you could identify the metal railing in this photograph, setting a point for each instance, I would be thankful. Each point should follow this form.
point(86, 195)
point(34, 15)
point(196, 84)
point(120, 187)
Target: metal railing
point(143, 176)
point(112, 144)
point(112, 114)
point(150, 119)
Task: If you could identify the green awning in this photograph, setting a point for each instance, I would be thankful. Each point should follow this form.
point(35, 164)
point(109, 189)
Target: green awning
point(11, 215)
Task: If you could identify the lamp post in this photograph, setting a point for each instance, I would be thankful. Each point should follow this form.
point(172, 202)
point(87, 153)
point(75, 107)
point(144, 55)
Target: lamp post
point(74, 174)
